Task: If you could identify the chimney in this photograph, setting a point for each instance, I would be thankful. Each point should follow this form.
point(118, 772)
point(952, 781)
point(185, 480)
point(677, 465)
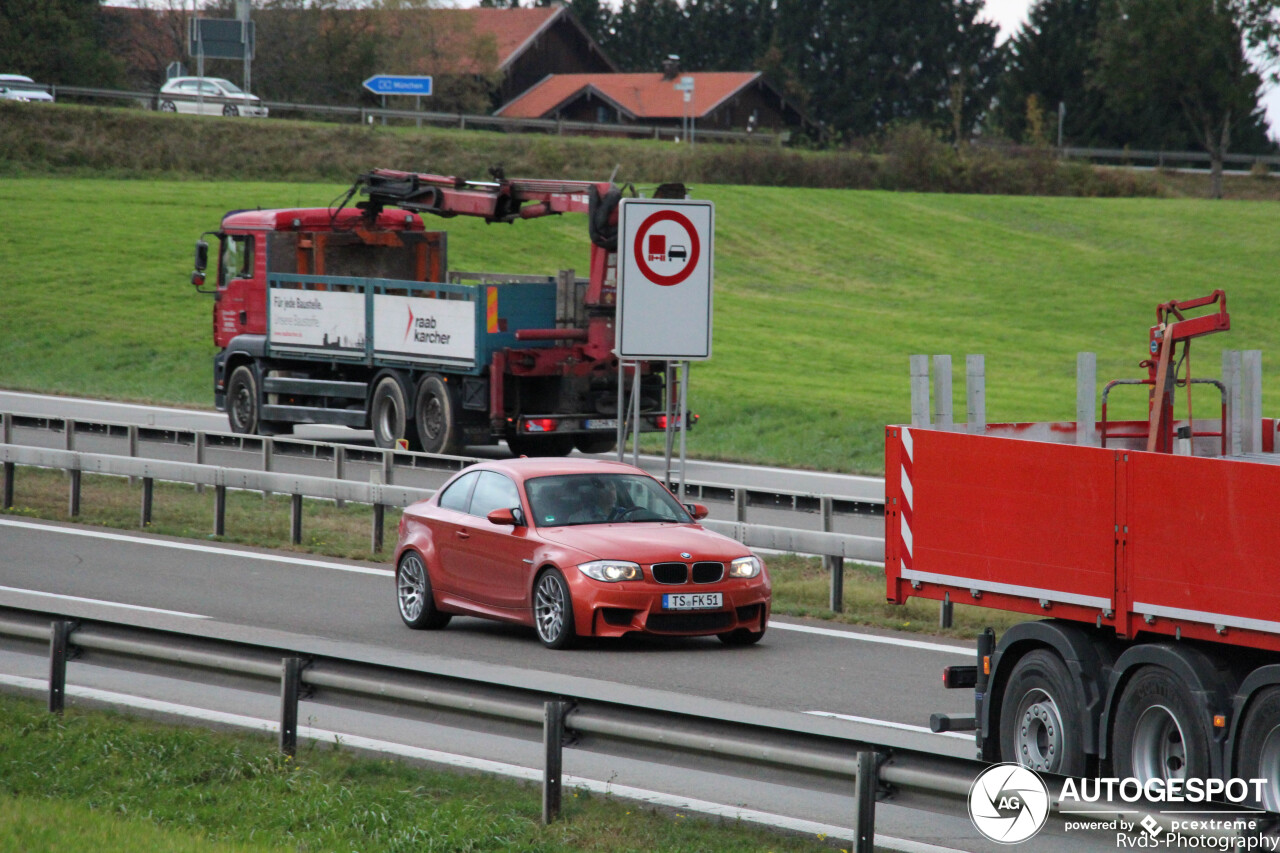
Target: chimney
point(670, 67)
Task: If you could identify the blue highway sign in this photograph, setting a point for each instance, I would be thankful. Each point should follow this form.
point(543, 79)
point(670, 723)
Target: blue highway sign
point(398, 84)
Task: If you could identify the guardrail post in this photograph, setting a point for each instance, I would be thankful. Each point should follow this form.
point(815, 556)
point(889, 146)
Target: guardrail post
point(199, 454)
point(268, 450)
point(8, 427)
point(388, 465)
point(290, 678)
point(740, 505)
point(148, 494)
point(59, 631)
point(133, 448)
point(553, 748)
point(295, 519)
point(69, 428)
point(219, 510)
point(379, 523)
point(73, 500)
point(10, 471)
point(339, 464)
point(833, 565)
point(944, 611)
point(865, 804)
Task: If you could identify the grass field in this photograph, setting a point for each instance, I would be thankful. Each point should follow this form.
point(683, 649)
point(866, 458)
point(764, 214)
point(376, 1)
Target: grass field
point(100, 781)
point(821, 296)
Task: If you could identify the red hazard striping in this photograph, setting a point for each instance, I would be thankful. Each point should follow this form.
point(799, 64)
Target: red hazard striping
point(695, 247)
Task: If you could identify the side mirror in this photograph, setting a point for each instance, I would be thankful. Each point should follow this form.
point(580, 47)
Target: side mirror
point(202, 257)
point(197, 278)
point(698, 511)
point(504, 516)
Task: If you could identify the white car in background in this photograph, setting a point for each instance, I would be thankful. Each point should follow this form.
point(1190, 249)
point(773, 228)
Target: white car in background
point(19, 87)
point(209, 96)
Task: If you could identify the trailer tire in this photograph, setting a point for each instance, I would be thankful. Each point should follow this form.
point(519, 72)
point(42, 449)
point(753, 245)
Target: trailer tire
point(596, 443)
point(1042, 717)
point(242, 401)
point(436, 416)
point(1259, 746)
point(389, 414)
point(540, 445)
point(1158, 733)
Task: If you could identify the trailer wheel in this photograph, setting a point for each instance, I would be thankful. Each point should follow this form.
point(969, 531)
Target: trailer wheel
point(596, 443)
point(1042, 717)
point(1259, 747)
point(436, 417)
point(1158, 733)
point(389, 414)
point(540, 445)
point(242, 400)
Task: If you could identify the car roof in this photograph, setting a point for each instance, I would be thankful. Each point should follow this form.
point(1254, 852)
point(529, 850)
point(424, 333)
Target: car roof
point(526, 468)
point(16, 78)
point(173, 80)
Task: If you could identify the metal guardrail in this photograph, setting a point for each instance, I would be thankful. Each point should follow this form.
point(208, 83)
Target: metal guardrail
point(363, 115)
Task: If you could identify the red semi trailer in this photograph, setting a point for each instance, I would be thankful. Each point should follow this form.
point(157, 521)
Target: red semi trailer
point(1155, 556)
point(352, 316)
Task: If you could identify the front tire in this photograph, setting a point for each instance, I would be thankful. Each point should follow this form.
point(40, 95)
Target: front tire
point(436, 416)
point(1158, 733)
point(389, 414)
point(413, 595)
point(242, 400)
point(741, 637)
point(553, 611)
point(230, 111)
point(168, 107)
point(1259, 748)
point(1042, 716)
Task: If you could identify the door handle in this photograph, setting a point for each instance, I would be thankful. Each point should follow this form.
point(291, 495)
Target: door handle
point(462, 534)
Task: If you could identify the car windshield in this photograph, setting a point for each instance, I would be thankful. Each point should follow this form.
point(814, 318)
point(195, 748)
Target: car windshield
point(571, 499)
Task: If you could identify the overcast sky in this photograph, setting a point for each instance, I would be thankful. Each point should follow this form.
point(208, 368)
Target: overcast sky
point(1012, 14)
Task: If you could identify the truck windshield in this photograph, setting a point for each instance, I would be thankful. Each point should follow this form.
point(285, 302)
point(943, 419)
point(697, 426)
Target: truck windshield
point(571, 499)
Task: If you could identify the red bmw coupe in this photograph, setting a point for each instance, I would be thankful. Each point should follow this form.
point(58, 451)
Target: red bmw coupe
point(575, 548)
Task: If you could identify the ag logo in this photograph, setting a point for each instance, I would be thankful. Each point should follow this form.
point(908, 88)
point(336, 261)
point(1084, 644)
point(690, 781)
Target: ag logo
point(1008, 803)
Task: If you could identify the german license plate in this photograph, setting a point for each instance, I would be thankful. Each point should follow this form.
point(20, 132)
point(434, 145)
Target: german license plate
point(602, 423)
point(692, 601)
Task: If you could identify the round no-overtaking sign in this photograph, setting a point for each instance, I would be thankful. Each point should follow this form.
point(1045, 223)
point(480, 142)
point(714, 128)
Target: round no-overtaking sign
point(665, 273)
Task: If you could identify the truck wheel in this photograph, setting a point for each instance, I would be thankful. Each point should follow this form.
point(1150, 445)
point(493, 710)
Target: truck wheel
point(540, 445)
point(1042, 717)
point(242, 400)
point(1259, 749)
point(413, 595)
point(436, 417)
point(389, 414)
point(1158, 733)
point(595, 443)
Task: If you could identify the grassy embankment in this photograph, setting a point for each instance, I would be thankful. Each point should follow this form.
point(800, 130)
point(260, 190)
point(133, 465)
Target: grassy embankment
point(93, 780)
point(821, 295)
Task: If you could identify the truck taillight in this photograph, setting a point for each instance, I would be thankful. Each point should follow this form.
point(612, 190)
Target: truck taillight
point(660, 421)
point(541, 425)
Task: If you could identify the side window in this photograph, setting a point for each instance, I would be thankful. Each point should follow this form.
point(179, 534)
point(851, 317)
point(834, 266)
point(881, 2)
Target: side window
point(237, 258)
point(458, 495)
point(494, 491)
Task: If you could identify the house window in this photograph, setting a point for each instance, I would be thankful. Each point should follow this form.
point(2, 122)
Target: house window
point(604, 115)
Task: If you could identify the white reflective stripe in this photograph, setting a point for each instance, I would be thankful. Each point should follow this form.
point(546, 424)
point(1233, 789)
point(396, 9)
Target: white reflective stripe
point(907, 444)
point(908, 493)
point(1244, 622)
point(1010, 589)
point(906, 533)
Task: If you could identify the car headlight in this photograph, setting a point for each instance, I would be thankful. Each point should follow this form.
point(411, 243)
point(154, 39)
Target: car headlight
point(611, 571)
point(744, 567)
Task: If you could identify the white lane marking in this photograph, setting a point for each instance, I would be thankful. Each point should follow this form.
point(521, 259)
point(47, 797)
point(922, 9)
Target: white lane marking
point(871, 638)
point(102, 603)
point(481, 764)
point(906, 727)
point(86, 401)
point(193, 546)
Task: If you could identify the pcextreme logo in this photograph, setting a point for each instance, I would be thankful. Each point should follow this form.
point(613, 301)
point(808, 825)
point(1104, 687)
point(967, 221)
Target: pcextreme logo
point(1008, 803)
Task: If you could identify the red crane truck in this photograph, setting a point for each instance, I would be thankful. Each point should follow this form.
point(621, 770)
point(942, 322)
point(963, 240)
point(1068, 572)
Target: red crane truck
point(1155, 556)
point(351, 316)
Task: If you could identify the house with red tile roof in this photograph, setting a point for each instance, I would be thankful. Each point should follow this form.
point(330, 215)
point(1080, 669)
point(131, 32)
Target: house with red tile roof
point(720, 100)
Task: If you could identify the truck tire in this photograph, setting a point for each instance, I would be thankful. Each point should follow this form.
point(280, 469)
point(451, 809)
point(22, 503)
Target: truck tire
point(436, 416)
point(1158, 733)
point(1258, 747)
point(1042, 717)
point(242, 400)
point(540, 445)
point(596, 443)
point(389, 414)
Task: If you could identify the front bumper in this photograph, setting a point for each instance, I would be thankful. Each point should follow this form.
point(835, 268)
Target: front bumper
point(612, 610)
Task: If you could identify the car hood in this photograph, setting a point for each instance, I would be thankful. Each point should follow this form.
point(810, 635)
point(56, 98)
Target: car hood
point(646, 542)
